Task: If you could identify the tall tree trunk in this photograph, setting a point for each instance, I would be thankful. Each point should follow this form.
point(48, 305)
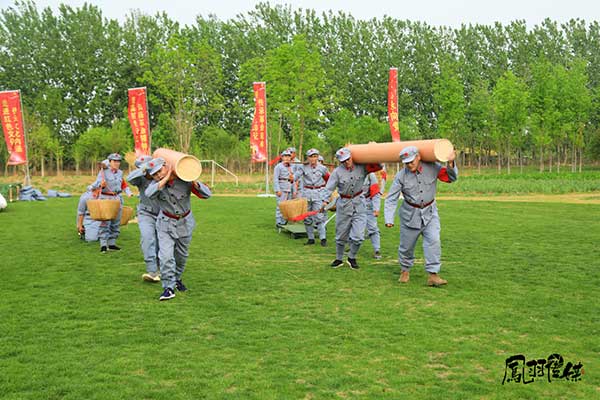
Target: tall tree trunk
point(574, 159)
point(499, 163)
point(301, 134)
point(580, 159)
point(42, 165)
point(521, 160)
point(508, 157)
point(541, 158)
point(279, 134)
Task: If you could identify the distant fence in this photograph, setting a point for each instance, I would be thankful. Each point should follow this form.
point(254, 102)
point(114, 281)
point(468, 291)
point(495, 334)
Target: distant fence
point(213, 169)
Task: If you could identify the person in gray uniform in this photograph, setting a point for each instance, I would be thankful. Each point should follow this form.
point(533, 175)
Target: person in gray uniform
point(373, 203)
point(417, 182)
point(313, 177)
point(283, 182)
point(351, 212)
point(174, 224)
point(110, 180)
point(295, 163)
point(87, 227)
point(147, 211)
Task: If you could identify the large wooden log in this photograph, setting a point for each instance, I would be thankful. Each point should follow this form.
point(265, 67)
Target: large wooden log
point(185, 166)
point(429, 150)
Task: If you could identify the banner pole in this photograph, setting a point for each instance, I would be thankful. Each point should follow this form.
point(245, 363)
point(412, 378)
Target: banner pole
point(27, 177)
point(148, 118)
point(267, 143)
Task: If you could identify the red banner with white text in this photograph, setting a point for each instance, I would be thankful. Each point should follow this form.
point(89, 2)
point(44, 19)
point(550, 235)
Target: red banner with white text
point(258, 131)
point(12, 124)
point(393, 104)
point(140, 123)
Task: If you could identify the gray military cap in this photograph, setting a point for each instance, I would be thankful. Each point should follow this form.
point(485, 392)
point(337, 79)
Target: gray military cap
point(155, 165)
point(408, 154)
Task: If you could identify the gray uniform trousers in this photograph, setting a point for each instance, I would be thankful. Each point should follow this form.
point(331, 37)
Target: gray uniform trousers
point(314, 204)
point(92, 227)
point(278, 217)
point(350, 223)
point(174, 237)
point(148, 239)
point(109, 230)
point(373, 228)
point(432, 249)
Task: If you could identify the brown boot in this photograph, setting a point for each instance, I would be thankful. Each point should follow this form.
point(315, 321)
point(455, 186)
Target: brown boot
point(435, 280)
point(404, 277)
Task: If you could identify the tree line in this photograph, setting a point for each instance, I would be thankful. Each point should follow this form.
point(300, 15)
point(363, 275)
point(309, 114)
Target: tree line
point(505, 95)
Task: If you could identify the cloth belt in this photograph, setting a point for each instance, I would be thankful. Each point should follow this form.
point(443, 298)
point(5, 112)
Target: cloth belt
point(346, 196)
point(314, 187)
point(177, 217)
point(418, 205)
point(111, 193)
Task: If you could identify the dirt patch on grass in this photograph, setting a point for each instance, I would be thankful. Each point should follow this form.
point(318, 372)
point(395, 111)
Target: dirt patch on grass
point(570, 198)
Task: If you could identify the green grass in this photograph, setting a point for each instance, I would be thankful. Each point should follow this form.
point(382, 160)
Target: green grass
point(266, 318)
point(472, 182)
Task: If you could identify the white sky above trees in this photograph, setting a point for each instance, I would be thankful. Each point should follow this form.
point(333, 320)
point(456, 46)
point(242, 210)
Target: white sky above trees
point(434, 12)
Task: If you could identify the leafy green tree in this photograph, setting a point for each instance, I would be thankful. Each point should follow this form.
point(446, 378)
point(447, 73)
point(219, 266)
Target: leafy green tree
point(510, 99)
point(187, 76)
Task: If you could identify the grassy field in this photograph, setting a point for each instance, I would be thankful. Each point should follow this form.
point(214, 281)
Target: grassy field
point(266, 318)
point(472, 183)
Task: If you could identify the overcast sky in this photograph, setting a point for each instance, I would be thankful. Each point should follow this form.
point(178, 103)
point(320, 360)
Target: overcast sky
point(434, 12)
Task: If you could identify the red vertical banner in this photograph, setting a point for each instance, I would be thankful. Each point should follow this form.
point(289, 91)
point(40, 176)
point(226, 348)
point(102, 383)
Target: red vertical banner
point(140, 123)
point(258, 131)
point(12, 124)
point(393, 104)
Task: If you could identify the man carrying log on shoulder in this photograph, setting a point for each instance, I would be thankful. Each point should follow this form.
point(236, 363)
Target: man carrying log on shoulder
point(174, 224)
point(351, 210)
point(417, 182)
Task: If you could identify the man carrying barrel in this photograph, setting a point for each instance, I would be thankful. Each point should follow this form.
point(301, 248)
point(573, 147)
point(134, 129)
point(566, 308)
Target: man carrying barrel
point(110, 180)
point(417, 182)
point(87, 227)
point(174, 224)
point(283, 181)
point(351, 212)
point(147, 212)
point(313, 177)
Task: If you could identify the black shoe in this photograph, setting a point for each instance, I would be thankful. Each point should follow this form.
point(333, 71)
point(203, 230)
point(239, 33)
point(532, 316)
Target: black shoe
point(336, 263)
point(180, 286)
point(323, 242)
point(353, 264)
point(168, 294)
point(309, 242)
point(377, 255)
point(103, 249)
point(114, 247)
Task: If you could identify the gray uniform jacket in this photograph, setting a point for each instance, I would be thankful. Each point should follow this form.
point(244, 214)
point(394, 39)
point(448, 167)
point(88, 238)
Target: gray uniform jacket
point(114, 182)
point(138, 178)
point(281, 177)
point(418, 188)
point(174, 197)
point(349, 184)
point(312, 179)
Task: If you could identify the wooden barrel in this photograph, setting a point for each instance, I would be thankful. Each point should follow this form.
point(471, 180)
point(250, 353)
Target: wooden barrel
point(293, 208)
point(185, 166)
point(126, 215)
point(103, 209)
point(429, 150)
